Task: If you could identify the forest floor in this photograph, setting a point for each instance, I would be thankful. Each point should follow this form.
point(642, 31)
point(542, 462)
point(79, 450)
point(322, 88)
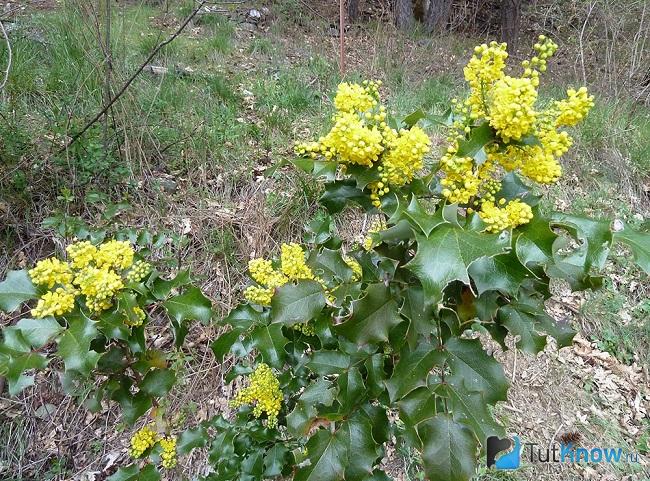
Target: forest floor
point(231, 100)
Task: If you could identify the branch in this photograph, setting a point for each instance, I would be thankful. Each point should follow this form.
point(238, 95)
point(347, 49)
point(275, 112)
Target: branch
point(132, 78)
point(6, 36)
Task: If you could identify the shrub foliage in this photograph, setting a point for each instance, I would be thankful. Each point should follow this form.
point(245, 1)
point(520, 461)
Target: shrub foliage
point(343, 348)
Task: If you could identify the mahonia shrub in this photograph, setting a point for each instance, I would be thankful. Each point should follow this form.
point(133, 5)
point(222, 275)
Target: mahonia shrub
point(92, 311)
point(340, 349)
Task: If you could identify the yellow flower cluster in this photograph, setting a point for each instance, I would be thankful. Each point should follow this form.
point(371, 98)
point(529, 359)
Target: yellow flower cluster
point(357, 271)
point(263, 392)
point(527, 140)
point(305, 327)
point(93, 272)
point(54, 303)
point(168, 455)
point(352, 97)
point(142, 440)
point(138, 271)
point(511, 107)
point(292, 268)
point(404, 158)
point(140, 316)
point(360, 135)
point(498, 218)
point(574, 108)
point(49, 272)
point(146, 438)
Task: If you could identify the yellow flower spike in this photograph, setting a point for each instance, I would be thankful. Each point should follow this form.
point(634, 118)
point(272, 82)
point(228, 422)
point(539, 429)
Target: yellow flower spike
point(99, 286)
point(115, 254)
point(259, 295)
point(49, 272)
point(511, 105)
point(55, 303)
point(513, 214)
point(292, 259)
point(572, 110)
point(138, 271)
point(351, 97)
point(142, 440)
point(81, 254)
point(168, 455)
point(263, 392)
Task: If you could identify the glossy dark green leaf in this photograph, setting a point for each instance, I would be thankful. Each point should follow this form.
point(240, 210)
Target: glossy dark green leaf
point(293, 304)
point(74, 344)
point(512, 187)
point(243, 316)
point(13, 366)
point(328, 455)
point(270, 342)
point(469, 363)
point(161, 288)
point(421, 218)
point(328, 362)
point(503, 272)
point(470, 408)
point(16, 289)
point(413, 368)
point(639, 242)
point(329, 265)
point(275, 459)
point(299, 420)
point(595, 236)
point(192, 305)
point(479, 137)
point(351, 390)
point(38, 332)
point(133, 405)
point(340, 193)
point(158, 382)
point(522, 325)
point(447, 253)
point(413, 118)
point(534, 243)
point(449, 449)
point(191, 439)
point(224, 343)
point(363, 449)
point(372, 316)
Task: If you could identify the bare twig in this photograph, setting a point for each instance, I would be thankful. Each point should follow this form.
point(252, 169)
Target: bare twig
point(135, 75)
point(9, 53)
point(342, 35)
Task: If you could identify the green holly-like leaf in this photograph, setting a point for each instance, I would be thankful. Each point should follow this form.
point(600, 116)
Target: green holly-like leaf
point(469, 363)
point(413, 369)
point(134, 473)
point(479, 137)
point(534, 309)
point(420, 218)
point(244, 316)
point(470, 408)
point(275, 459)
point(270, 341)
point(329, 265)
point(595, 237)
point(512, 187)
point(447, 253)
point(372, 316)
point(230, 342)
point(192, 305)
point(534, 243)
point(325, 363)
point(502, 272)
point(351, 390)
point(413, 118)
point(522, 324)
point(38, 332)
point(191, 439)
point(158, 382)
point(74, 344)
point(639, 242)
point(14, 364)
point(161, 288)
point(449, 449)
point(16, 289)
point(133, 405)
point(305, 412)
point(341, 192)
point(363, 448)
point(292, 304)
point(328, 455)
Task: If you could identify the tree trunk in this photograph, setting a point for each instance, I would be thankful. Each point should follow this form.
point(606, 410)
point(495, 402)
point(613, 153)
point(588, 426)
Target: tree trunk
point(510, 16)
point(403, 10)
point(353, 10)
point(437, 15)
